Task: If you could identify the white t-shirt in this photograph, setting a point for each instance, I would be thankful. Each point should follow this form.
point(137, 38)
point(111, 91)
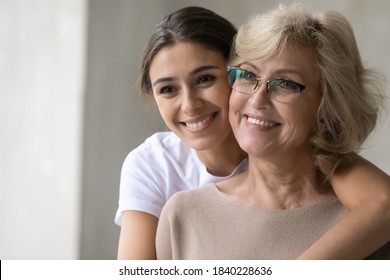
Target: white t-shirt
point(157, 169)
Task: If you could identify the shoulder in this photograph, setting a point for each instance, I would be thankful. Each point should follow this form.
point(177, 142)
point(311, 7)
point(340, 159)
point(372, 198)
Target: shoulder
point(187, 201)
point(189, 196)
point(157, 145)
point(163, 138)
point(160, 140)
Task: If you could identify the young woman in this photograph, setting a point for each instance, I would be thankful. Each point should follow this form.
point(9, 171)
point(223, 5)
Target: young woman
point(184, 68)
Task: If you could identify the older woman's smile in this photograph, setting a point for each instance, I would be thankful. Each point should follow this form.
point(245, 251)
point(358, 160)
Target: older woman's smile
point(261, 122)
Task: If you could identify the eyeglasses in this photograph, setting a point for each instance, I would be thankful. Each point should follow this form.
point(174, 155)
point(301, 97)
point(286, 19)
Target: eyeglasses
point(247, 82)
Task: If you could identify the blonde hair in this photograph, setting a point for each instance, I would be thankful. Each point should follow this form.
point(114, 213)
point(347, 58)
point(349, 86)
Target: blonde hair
point(351, 93)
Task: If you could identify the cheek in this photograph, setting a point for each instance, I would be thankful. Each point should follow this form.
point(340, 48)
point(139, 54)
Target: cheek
point(165, 109)
point(236, 106)
point(233, 107)
point(310, 119)
point(300, 123)
point(305, 112)
point(236, 101)
point(223, 96)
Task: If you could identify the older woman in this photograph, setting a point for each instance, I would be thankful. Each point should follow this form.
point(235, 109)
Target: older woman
point(301, 106)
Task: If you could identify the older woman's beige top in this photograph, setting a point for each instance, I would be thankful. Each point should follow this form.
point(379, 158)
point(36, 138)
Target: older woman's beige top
point(207, 224)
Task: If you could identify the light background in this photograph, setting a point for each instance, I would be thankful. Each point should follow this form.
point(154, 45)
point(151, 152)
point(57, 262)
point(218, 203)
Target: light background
point(70, 111)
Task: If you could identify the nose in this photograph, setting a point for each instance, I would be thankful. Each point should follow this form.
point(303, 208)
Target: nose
point(260, 98)
point(191, 101)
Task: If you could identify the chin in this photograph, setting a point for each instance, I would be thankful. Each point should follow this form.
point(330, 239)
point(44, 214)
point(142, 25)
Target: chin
point(197, 146)
point(255, 148)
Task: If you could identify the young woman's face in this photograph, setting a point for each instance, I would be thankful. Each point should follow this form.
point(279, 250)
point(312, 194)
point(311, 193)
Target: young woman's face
point(192, 93)
point(267, 122)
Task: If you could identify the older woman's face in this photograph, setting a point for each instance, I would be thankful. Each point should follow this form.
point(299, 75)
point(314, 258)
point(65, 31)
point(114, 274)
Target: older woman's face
point(268, 123)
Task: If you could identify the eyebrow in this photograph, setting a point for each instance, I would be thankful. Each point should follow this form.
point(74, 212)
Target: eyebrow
point(162, 80)
point(288, 71)
point(193, 72)
point(203, 68)
point(278, 71)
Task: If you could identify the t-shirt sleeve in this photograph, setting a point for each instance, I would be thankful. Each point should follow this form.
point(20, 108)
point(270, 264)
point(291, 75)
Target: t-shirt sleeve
point(141, 185)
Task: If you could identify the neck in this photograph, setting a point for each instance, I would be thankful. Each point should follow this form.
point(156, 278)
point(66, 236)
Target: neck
point(222, 159)
point(285, 183)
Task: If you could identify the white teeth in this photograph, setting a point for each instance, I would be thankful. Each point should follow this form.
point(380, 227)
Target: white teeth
point(260, 122)
point(199, 124)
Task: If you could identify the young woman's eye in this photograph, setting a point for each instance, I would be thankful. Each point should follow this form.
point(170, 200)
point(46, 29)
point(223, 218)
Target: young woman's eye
point(205, 79)
point(166, 90)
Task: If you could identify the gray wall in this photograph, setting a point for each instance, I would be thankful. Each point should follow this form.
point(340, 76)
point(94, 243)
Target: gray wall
point(70, 112)
point(116, 117)
point(42, 47)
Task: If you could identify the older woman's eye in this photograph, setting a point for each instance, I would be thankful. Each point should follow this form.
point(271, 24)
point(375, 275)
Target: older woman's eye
point(289, 85)
point(205, 79)
point(249, 76)
point(286, 86)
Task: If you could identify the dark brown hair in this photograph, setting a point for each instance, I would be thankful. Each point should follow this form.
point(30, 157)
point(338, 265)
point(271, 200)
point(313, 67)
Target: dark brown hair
point(190, 24)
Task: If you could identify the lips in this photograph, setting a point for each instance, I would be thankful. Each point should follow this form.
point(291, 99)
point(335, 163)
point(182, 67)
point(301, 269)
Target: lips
point(261, 122)
point(199, 123)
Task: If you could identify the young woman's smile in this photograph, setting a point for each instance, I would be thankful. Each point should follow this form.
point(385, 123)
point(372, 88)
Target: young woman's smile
point(199, 123)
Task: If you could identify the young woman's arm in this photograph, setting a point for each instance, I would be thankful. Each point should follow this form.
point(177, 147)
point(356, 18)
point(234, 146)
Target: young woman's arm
point(137, 237)
point(365, 191)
